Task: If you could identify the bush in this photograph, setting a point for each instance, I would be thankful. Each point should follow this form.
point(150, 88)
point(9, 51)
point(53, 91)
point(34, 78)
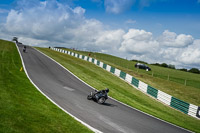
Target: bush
point(183, 69)
point(164, 65)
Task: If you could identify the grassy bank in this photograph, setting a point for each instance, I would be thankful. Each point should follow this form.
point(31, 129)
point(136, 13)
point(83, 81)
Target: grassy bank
point(167, 80)
point(122, 91)
point(23, 109)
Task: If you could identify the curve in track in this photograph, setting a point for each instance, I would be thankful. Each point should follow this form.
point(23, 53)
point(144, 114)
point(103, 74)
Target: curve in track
point(70, 93)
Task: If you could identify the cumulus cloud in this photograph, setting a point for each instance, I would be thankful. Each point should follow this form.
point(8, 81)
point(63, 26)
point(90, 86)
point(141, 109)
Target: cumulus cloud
point(171, 39)
point(190, 56)
point(138, 42)
point(117, 6)
point(56, 23)
point(180, 50)
point(110, 40)
point(79, 10)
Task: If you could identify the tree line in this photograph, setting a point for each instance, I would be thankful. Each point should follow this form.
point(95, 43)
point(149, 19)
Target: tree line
point(192, 70)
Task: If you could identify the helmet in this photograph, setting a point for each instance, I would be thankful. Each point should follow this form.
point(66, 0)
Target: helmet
point(107, 90)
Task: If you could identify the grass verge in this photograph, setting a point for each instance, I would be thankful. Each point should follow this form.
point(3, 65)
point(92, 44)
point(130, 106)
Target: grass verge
point(122, 91)
point(23, 109)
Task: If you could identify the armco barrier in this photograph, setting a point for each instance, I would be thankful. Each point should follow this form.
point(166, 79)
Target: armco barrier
point(180, 105)
point(135, 82)
point(152, 91)
point(122, 75)
point(112, 69)
point(104, 66)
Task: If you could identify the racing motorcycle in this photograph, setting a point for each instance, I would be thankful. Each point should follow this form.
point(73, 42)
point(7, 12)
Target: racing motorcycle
point(99, 96)
point(24, 49)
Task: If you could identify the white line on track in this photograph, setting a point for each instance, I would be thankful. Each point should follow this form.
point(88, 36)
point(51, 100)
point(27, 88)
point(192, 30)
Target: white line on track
point(67, 88)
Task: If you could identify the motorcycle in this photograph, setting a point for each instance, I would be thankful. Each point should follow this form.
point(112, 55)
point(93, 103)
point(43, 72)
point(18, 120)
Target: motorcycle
point(24, 49)
point(98, 96)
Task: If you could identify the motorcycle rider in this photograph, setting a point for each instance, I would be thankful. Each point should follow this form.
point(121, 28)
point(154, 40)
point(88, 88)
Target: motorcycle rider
point(99, 96)
point(101, 91)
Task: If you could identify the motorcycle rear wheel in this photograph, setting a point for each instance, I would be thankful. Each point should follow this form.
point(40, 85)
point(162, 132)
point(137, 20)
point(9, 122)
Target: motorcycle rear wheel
point(101, 100)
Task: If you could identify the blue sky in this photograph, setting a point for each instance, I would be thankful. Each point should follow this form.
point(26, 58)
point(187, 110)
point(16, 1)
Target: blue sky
point(133, 29)
point(156, 16)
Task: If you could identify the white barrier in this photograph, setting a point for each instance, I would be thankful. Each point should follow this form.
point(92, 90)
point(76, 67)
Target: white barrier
point(142, 86)
point(164, 97)
point(101, 64)
point(192, 110)
point(128, 78)
point(108, 68)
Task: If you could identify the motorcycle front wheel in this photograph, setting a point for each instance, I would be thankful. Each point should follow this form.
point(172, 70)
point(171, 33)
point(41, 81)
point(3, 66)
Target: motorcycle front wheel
point(89, 97)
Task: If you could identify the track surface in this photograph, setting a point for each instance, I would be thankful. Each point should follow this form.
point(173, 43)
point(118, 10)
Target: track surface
point(70, 93)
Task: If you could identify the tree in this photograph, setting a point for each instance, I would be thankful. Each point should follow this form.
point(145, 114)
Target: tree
point(183, 69)
point(164, 65)
point(194, 70)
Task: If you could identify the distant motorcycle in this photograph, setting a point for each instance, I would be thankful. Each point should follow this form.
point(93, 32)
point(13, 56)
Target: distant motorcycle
point(99, 96)
point(24, 49)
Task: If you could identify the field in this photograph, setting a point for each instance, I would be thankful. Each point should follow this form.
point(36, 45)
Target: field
point(121, 90)
point(23, 109)
point(180, 84)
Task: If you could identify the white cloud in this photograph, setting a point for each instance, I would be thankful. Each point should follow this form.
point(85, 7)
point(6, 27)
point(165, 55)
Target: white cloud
point(141, 45)
point(47, 20)
point(171, 39)
point(138, 42)
point(79, 11)
point(190, 56)
point(110, 39)
point(117, 6)
point(51, 22)
point(33, 42)
point(198, 1)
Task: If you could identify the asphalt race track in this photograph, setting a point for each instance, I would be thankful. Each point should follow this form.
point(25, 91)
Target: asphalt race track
point(71, 94)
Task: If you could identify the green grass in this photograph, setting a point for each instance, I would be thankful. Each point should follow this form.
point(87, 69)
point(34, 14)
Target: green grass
point(175, 86)
point(23, 109)
point(122, 91)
